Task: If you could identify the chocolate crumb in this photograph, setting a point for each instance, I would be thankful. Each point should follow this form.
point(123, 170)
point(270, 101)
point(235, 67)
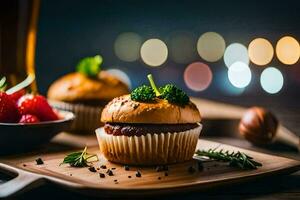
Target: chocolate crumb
point(113, 168)
point(102, 175)
point(109, 172)
point(138, 174)
point(200, 166)
point(115, 180)
point(126, 167)
point(103, 166)
point(191, 170)
point(159, 178)
point(92, 169)
point(39, 161)
point(98, 168)
point(166, 174)
point(129, 176)
point(24, 165)
point(71, 174)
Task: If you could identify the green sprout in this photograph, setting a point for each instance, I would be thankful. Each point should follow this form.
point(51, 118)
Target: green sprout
point(143, 93)
point(90, 66)
point(174, 95)
point(169, 92)
point(151, 80)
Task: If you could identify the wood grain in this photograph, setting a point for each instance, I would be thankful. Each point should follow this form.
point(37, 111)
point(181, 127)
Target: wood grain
point(178, 176)
point(216, 110)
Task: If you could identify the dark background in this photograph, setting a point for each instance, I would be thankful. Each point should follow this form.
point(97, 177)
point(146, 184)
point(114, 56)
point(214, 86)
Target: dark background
point(70, 30)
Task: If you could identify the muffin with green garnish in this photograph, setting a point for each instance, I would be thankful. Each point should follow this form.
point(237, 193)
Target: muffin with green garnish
point(150, 126)
point(85, 92)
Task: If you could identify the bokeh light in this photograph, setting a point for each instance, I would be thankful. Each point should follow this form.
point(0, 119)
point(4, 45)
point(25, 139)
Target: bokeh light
point(197, 76)
point(121, 75)
point(182, 47)
point(239, 74)
point(236, 52)
point(127, 46)
point(154, 52)
point(288, 50)
point(211, 46)
point(224, 84)
point(271, 80)
point(260, 51)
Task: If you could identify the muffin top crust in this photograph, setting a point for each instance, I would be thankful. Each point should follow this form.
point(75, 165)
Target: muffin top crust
point(125, 110)
point(76, 87)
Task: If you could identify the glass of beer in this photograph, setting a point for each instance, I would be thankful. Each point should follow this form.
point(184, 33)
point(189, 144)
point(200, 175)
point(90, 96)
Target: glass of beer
point(18, 40)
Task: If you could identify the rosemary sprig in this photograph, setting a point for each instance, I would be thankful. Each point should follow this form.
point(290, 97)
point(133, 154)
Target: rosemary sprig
point(80, 159)
point(235, 159)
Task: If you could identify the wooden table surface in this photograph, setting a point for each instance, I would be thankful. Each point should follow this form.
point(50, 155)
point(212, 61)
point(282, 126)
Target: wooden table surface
point(284, 187)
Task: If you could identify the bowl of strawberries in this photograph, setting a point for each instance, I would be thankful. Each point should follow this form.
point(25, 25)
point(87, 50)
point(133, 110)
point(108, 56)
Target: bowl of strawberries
point(27, 120)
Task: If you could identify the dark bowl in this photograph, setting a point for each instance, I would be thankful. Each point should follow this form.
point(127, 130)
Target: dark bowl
point(16, 137)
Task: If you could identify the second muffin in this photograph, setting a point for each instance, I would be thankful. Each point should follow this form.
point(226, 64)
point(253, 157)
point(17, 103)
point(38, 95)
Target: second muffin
point(85, 94)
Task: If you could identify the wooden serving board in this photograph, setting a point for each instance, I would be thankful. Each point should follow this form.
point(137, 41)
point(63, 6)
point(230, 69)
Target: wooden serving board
point(218, 119)
point(178, 176)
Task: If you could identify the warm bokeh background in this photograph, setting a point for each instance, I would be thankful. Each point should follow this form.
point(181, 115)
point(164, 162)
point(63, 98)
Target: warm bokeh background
point(119, 29)
point(68, 31)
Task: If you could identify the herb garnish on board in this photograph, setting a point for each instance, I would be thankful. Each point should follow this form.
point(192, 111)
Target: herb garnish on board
point(169, 92)
point(235, 159)
point(80, 159)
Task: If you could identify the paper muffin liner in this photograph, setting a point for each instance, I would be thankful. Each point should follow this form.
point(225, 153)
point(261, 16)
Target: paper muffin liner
point(149, 149)
point(87, 117)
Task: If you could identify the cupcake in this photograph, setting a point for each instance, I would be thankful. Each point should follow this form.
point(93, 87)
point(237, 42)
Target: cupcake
point(85, 93)
point(150, 126)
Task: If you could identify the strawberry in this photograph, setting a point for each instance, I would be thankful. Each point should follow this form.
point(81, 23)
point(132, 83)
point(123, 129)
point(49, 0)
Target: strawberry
point(8, 109)
point(29, 119)
point(36, 105)
point(17, 95)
